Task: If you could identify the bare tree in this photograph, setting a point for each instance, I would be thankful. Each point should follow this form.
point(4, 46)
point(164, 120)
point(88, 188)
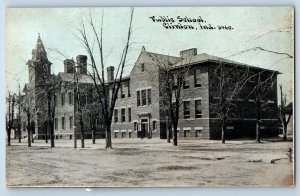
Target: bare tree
point(284, 116)
point(107, 92)
point(264, 83)
point(172, 79)
point(19, 102)
point(10, 116)
point(79, 93)
point(44, 87)
point(227, 83)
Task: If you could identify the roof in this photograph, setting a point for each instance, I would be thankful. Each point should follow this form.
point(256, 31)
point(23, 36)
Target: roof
point(82, 78)
point(204, 57)
point(165, 60)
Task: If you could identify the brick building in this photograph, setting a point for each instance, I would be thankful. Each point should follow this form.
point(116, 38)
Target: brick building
point(139, 108)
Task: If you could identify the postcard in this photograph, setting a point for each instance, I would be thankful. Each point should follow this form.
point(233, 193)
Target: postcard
point(150, 97)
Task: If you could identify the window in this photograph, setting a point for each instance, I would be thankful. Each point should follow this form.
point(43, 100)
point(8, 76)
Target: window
point(198, 133)
point(63, 122)
point(123, 115)
point(138, 98)
point(154, 125)
point(186, 133)
point(135, 126)
point(198, 111)
point(143, 67)
point(186, 109)
point(186, 82)
point(116, 115)
point(62, 98)
point(149, 96)
point(122, 92)
point(129, 114)
point(197, 81)
point(128, 90)
point(144, 97)
point(55, 123)
point(71, 122)
point(70, 98)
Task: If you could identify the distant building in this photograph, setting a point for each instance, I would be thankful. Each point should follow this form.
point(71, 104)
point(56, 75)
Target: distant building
point(138, 111)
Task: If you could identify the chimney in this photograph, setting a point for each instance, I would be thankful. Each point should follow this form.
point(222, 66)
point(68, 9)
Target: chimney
point(189, 53)
point(110, 73)
point(81, 64)
point(69, 66)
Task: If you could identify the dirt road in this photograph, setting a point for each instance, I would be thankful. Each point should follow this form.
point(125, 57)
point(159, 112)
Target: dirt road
point(149, 163)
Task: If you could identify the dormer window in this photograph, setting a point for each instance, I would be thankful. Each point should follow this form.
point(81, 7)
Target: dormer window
point(143, 67)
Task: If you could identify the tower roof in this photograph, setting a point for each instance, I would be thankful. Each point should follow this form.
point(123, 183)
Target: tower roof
point(39, 53)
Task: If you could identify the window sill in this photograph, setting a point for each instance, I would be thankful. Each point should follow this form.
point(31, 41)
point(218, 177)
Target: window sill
point(144, 106)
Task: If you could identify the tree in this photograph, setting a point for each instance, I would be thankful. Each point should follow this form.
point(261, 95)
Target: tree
point(19, 102)
point(79, 108)
point(227, 83)
point(43, 87)
point(10, 117)
point(172, 79)
point(264, 83)
point(262, 88)
point(284, 115)
point(107, 92)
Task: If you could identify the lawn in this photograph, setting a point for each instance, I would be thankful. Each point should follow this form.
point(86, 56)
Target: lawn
point(149, 163)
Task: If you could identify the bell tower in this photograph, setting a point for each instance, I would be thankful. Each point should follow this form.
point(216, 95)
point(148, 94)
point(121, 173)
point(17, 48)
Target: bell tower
point(39, 66)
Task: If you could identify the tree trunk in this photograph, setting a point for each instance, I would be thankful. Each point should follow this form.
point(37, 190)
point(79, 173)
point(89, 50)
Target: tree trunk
point(46, 133)
point(50, 125)
point(258, 122)
point(74, 137)
point(8, 136)
point(82, 131)
point(52, 134)
point(28, 136)
point(28, 130)
point(284, 131)
point(19, 132)
point(257, 132)
point(94, 135)
point(175, 142)
point(169, 131)
point(48, 129)
point(169, 135)
point(223, 133)
point(31, 134)
point(108, 136)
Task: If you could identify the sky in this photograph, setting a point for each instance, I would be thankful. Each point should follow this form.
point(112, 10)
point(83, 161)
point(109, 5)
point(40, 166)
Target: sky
point(268, 27)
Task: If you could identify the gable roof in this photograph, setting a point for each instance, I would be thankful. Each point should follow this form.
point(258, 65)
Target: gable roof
point(164, 60)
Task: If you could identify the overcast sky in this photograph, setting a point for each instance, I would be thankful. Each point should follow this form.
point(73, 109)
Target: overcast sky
point(269, 28)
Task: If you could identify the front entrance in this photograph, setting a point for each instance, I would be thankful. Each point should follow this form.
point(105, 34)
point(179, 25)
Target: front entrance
point(144, 132)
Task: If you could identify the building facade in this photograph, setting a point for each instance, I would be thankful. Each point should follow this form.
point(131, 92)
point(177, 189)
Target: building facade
point(139, 111)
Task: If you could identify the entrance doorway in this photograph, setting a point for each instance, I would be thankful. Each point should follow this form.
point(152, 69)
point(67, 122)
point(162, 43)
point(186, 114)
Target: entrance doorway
point(144, 128)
